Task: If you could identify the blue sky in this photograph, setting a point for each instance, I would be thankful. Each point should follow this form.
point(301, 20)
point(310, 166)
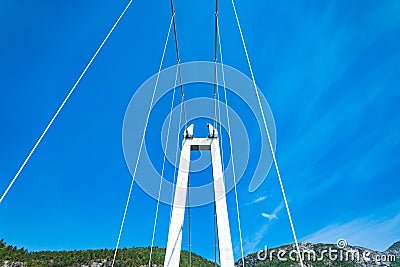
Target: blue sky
point(329, 70)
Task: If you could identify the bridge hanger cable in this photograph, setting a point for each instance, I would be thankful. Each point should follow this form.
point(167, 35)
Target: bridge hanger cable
point(189, 226)
point(163, 169)
point(179, 63)
point(64, 102)
point(217, 102)
point(176, 162)
point(215, 62)
point(184, 115)
point(222, 164)
point(141, 144)
point(215, 234)
point(268, 135)
point(231, 148)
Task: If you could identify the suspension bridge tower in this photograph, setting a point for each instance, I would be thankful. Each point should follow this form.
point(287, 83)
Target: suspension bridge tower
point(211, 143)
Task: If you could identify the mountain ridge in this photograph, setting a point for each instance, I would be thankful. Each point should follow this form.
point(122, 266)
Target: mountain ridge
point(282, 256)
point(319, 254)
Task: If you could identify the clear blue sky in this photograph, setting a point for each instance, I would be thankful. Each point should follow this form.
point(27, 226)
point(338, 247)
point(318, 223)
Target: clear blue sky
point(330, 71)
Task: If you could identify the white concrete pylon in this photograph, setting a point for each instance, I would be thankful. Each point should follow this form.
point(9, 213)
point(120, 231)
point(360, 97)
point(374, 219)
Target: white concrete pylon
point(172, 256)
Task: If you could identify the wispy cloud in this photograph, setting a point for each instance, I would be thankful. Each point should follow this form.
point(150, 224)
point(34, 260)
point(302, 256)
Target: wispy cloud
point(274, 214)
point(269, 216)
point(333, 129)
point(255, 201)
point(260, 199)
point(251, 243)
point(371, 232)
point(344, 129)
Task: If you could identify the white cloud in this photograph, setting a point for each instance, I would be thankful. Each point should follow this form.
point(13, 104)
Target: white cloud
point(260, 199)
point(255, 201)
point(269, 216)
point(274, 214)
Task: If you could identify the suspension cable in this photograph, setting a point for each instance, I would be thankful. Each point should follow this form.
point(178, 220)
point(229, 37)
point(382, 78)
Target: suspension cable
point(215, 117)
point(231, 149)
point(64, 102)
point(175, 164)
point(162, 170)
point(268, 135)
point(176, 161)
point(189, 229)
point(141, 144)
point(215, 62)
point(184, 114)
point(179, 63)
point(222, 164)
point(215, 235)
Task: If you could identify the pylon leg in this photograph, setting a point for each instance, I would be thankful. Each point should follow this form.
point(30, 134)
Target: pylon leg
point(173, 252)
point(174, 244)
point(224, 233)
